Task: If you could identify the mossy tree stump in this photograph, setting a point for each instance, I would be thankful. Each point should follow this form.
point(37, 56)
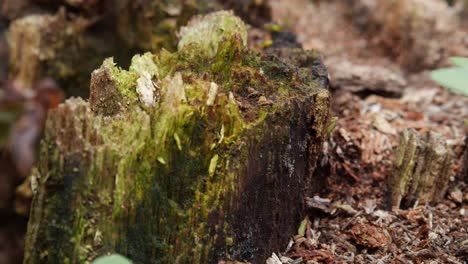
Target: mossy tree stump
point(194, 156)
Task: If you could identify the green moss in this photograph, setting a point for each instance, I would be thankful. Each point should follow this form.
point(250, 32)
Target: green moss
point(125, 80)
point(209, 31)
point(143, 63)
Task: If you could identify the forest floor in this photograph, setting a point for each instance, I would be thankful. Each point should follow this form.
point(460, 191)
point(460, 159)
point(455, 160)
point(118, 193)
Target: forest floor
point(375, 97)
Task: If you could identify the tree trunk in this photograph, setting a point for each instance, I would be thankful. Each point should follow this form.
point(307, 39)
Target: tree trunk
point(195, 156)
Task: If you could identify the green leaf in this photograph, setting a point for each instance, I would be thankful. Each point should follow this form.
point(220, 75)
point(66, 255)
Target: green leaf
point(453, 78)
point(302, 228)
point(112, 259)
point(460, 61)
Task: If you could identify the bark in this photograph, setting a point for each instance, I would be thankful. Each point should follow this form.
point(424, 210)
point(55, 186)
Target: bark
point(194, 156)
point(421, 169)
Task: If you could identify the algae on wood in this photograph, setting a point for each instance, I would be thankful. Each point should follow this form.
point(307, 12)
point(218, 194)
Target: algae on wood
point(195, 156)
point(421, 169)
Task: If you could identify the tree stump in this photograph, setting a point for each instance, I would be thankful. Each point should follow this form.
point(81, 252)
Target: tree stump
point(195, 156)
point(421, 169)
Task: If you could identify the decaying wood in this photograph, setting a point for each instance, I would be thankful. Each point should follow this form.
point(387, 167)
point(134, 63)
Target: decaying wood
point(68, 46)
point(365, 79)
point(67, 39)
point(421, 169)
point(58, 46)
point(204, 154)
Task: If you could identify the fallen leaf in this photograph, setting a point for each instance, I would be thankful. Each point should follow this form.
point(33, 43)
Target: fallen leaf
point(370, 236)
